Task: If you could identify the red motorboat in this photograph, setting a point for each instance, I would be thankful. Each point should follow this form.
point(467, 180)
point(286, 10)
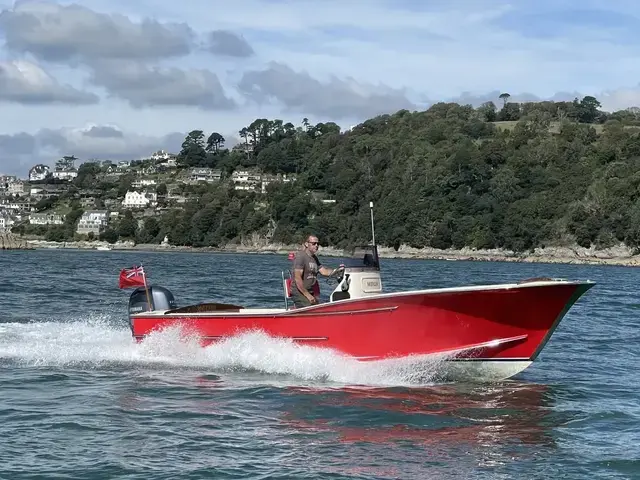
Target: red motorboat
point(495, 330)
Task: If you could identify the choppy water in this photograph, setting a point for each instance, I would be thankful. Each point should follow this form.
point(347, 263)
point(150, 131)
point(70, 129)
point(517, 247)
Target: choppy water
point(79, 399)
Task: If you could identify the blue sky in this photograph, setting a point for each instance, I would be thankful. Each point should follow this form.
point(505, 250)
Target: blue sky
point(151, 70)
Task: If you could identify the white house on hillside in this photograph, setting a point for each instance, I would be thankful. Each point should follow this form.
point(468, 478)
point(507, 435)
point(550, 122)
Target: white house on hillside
point(93, 221)
point(143, 182)
point(39, 172)
point(133, 199)
point(5, 223)
point(17, 188)
point(46, 218)
point(245, 180)
point(65, 174)
point(160, 155)
point(168, 163)
point(7, 179)
point(205, 175)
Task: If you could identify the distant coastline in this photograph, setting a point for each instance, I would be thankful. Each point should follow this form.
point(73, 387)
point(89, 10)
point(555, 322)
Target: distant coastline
point(618, 255)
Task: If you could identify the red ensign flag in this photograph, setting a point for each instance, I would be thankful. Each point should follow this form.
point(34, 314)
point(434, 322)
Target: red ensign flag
point(132, 277)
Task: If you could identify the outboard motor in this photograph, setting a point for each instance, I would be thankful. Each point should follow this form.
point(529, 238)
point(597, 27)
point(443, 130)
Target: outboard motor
point(161, 299)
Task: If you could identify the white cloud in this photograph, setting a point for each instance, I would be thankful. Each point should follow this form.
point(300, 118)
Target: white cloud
point(335, 60)
point(63, 33)
point(105, 142)
point(223, 42)
point(304, 15)
point(20, 151)
point(336, 98)
point(144, 86)
point(25, 82)
point(620, 99)
point(439, 51)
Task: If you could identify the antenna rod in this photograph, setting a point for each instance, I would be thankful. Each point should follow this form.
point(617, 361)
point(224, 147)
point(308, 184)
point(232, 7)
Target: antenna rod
point(373, 231)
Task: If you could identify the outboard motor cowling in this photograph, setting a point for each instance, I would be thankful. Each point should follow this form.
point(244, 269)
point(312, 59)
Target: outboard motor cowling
point(161, 299)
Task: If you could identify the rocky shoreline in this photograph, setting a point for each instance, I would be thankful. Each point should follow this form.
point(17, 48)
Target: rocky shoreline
point(618, 255)
point(9, 241)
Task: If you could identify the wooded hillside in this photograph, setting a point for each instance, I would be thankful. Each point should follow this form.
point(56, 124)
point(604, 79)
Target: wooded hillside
point(560, 173)
point(515, 177)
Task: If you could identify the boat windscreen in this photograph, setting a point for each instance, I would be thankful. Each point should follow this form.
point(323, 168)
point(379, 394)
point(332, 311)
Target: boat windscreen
point(361, 257)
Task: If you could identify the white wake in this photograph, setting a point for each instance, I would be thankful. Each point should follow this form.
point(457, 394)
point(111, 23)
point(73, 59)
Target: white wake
point(96, 343)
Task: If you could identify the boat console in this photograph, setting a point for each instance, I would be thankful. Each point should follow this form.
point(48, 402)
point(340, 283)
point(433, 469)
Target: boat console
point(360, 276)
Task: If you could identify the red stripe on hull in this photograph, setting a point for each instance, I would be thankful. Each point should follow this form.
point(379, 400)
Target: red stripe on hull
point(518, 321)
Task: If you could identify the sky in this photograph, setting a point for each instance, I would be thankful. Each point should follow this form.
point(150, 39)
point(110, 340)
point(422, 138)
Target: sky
point(119, 80)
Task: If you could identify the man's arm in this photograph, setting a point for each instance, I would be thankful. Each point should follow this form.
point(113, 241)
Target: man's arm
point(328, 271)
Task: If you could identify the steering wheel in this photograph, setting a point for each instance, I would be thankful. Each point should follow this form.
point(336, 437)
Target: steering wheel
point(336, 276)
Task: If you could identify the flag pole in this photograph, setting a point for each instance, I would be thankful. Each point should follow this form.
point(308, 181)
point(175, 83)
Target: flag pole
point(146, 288)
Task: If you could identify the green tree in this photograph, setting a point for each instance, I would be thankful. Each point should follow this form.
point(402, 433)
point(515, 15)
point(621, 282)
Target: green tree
point(193, 153)
point(214, 143)
point(161, 189)
point(149, 232)
point(124, 184)
point(588, 109)
point(88, 173)
point(109, 235)
point(488, 111)
point(127, 226)
point(71, 221)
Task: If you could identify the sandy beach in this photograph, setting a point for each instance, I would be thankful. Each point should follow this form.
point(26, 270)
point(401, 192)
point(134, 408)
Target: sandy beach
point(618, 255)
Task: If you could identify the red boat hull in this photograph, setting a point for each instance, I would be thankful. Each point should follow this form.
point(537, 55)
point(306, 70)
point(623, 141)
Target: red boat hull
point(502, 322)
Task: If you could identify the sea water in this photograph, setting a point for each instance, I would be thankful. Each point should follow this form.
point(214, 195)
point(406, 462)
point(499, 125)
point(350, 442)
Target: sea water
point(80, 399)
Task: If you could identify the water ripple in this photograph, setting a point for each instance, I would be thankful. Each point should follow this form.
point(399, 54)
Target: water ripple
point(80, 399)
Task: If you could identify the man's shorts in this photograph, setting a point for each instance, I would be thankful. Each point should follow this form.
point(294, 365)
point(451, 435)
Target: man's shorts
point(300, 300)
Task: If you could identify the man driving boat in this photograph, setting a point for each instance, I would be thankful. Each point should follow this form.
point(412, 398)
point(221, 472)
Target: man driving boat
point(305, 289)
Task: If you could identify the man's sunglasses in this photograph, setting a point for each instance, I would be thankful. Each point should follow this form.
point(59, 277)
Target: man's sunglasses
point(312, 243)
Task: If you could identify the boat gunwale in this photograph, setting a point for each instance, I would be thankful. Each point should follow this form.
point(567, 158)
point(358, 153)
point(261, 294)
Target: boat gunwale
point(317, 309)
